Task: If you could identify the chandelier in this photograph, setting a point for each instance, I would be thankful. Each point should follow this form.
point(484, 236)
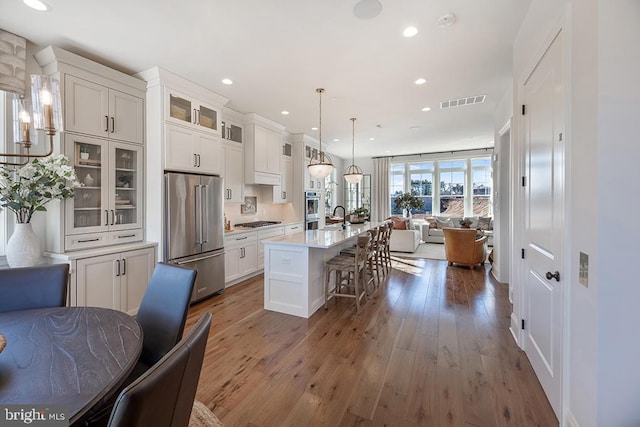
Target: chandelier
point(46, 116)
point(320, 165)
point(353, 174)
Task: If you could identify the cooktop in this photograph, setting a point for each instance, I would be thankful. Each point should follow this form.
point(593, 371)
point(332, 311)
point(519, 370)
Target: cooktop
point(258, 224)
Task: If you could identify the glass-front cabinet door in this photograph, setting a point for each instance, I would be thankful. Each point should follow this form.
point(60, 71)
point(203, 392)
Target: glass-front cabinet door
point(126, 180)
point(88, 212)
point(188, 111)
point(111, 194)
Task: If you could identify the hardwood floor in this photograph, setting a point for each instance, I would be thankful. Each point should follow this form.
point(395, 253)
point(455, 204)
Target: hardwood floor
point(430, 348)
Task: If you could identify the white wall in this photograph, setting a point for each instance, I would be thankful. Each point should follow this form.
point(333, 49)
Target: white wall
point(618, 293)
point(602, 382)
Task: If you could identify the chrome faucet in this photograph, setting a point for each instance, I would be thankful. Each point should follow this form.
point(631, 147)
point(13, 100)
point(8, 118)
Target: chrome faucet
point(344, 215)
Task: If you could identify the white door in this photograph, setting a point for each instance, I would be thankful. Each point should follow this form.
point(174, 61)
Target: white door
point(86, 107)
point(234, 172)
point(544, 195)
point(136, 268)
point(126, 116)
point(178, 153)
point(98, 284)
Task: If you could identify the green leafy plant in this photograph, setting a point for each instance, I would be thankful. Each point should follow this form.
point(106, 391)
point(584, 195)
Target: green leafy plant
point(27, 189)
point(362, 211)
point(408, 201)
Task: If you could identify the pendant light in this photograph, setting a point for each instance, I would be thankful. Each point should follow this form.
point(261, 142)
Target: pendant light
point(320, 165)
point(353, 174)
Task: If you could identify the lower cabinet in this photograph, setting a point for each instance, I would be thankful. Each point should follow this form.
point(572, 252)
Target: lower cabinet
point(116, 280)
point(240, 255)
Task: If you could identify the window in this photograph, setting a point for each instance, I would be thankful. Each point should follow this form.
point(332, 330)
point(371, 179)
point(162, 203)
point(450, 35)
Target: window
point(452, 176)
point(482, 185)
point(465, 185)
point(358, 195)
point(421, 184)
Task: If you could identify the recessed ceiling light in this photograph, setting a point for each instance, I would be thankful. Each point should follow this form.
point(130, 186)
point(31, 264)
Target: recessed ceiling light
point(336, 140)
point(284, 113)
point(420, 81)
point(372, 139)
point(410, 31)
point(314, 128)
point(446, 20)
point(37, 5)
point(426, 109)
point(367, 9)
point(227, 81)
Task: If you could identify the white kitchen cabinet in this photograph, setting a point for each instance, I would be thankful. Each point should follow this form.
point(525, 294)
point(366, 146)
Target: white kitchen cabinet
point(191, 112)
point(262, 155)
point(190, 150)
point(240, 255)
point(267, 234)
point(232, 131)
point(108, 208)
point(116, 280)
point(94, 109)
point(233, 155)
point(295, 227)
point(283, 193)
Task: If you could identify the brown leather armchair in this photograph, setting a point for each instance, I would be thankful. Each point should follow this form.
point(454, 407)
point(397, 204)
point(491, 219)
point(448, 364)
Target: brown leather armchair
point(463, 247)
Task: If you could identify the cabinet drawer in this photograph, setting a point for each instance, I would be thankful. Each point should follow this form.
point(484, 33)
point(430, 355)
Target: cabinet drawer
point(125, 236)
point(272, 232)
point(293, 228)
point(86, 241)
point(240, 239)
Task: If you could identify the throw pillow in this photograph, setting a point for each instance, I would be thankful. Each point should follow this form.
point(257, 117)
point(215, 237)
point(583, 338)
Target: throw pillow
point(444, 224)
point(399, 223)
point(484, 222)
point(456, 221)
point(432, 222)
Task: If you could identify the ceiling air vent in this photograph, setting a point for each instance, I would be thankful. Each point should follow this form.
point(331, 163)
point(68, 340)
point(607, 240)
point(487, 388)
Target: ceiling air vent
point(478, 99)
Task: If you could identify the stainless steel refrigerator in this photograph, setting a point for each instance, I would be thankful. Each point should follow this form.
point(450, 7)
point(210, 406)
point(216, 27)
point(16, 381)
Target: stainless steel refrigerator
point(194, 228)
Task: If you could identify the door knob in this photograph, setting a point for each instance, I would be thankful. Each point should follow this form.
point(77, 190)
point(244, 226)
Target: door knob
point(551, 275)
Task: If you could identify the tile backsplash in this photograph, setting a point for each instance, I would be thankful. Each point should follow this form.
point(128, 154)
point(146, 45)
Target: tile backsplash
point(265, 211)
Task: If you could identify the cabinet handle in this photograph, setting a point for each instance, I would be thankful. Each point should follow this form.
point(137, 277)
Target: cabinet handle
point(198, 160)
point(230, 194)
point(194, 116)
point(311, 184)
point(113, 124)
point(284, 194)
point(195, 160)
point(242, 238)
point(198, 116)
point(125, 236)
point(113, 217)
point(106, 123)
point(88, 240)
point(118, 269)
point(242, 252)
point(124, 266)
point(106, 217)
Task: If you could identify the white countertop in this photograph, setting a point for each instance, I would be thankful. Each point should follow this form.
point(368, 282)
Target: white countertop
point(236, 229)
point(326, 238)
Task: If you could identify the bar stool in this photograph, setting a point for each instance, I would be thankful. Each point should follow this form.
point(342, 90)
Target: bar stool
point(350, 274)
point(385, 246)
point(372, 247)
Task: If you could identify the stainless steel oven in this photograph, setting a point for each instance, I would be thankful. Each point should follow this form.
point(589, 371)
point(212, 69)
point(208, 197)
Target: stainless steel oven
point(312, 209)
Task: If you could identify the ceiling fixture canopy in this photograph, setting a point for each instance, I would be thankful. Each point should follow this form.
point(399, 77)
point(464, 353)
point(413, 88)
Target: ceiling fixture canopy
point(353, 174)
point(320, 165)
point(367, 9)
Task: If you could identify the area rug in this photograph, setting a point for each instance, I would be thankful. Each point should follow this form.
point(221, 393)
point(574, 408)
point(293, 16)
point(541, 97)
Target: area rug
point(425, 250)
point(201, 416)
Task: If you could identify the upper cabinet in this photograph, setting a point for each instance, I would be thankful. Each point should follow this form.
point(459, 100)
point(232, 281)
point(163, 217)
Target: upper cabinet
point(189, 151)
point(104, 139)
point(188, 111)
point(263, 145)
point(232, 131)
point(97, 110)
point(283, 193)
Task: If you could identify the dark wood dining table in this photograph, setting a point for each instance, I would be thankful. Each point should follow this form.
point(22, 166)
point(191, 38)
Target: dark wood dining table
point(74, 357)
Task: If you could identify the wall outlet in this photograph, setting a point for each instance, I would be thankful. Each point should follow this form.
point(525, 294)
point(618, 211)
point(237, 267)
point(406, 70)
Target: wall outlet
point(583, 270)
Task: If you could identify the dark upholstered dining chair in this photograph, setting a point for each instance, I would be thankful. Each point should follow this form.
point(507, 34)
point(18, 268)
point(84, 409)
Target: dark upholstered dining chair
point(164, 395)
point(33, 287)
point(163, 311)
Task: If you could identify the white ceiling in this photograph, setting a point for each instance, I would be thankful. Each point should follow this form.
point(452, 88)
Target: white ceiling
point(278, 52)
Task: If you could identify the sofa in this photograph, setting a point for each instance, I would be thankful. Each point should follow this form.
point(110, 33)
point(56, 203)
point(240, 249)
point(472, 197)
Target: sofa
point(404, 237)
point(431, 228)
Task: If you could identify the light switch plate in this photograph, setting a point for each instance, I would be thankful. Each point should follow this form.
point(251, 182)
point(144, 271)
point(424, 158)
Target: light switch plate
point(583, 271)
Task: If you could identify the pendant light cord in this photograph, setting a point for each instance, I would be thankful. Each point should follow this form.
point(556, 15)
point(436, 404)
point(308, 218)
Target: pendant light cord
point(320, 90)
point(353, 140)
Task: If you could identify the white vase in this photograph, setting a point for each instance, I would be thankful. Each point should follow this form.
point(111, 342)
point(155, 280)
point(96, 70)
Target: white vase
point(23, 247)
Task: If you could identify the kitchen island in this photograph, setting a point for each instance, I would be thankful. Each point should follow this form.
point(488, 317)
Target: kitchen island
point(294, 267)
